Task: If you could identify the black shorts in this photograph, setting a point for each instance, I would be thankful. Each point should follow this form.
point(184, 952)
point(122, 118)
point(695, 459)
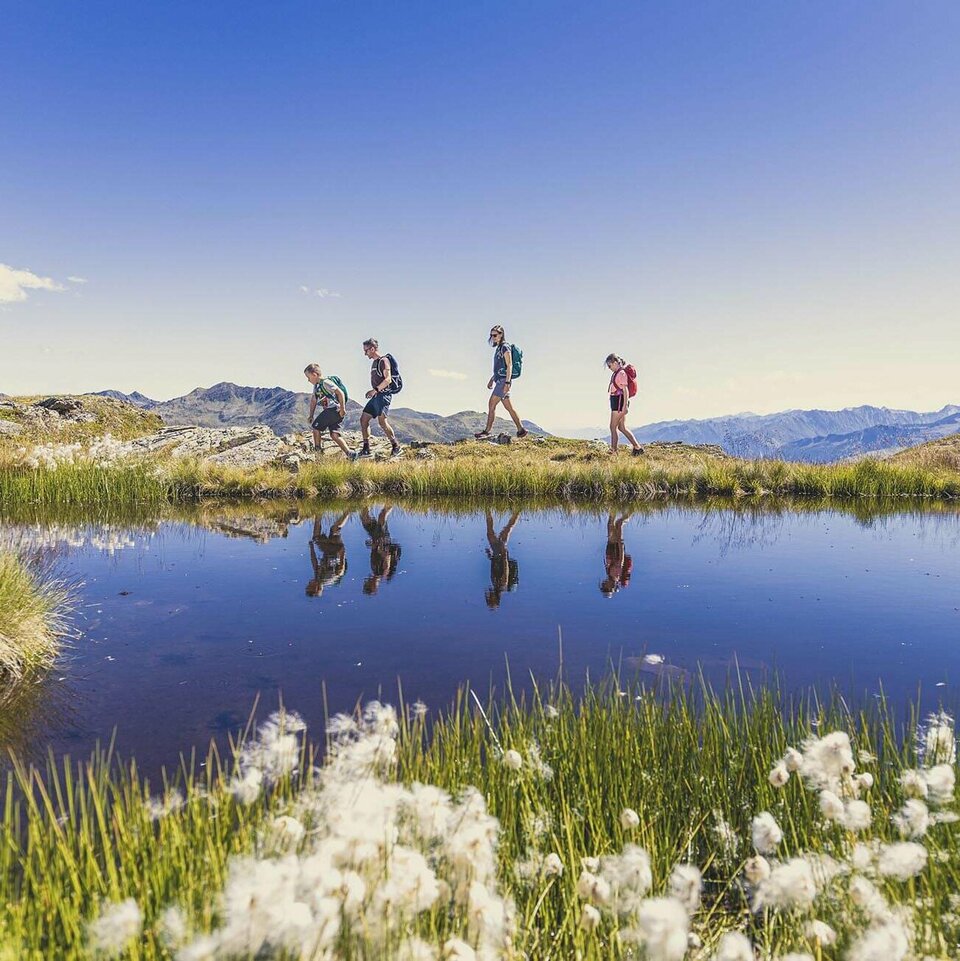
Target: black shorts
point(618, 403)
point(328, 419)
point(378, 404)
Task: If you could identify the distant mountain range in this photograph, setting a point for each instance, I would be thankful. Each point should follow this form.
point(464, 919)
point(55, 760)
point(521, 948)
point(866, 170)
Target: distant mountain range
point(285, 411)
point(815, 436)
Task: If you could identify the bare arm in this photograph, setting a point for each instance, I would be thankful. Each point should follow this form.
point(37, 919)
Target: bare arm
point(387, 376)
point(341, 401)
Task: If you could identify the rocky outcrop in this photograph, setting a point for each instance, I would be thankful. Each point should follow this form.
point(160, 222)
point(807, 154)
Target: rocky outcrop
point(246, 447)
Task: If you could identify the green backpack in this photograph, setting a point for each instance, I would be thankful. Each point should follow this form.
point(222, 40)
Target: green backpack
point(517, 355)
point(339, 384)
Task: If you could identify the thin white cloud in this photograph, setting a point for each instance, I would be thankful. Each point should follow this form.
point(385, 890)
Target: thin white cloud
point(447, 374)
point(324, 293)
point(77, 280)
point(14, 284)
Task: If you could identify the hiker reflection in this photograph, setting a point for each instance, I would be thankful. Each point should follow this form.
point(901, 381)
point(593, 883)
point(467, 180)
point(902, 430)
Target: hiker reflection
point(331, 565)
point(504, 572)
point(384, 551)
point(618, 562)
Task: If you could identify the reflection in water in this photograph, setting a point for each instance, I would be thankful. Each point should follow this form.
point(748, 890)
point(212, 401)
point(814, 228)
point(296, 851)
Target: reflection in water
point(384, 551)
point(504, 570)
point(217, 604)
point(329, 568)
point(618, 563)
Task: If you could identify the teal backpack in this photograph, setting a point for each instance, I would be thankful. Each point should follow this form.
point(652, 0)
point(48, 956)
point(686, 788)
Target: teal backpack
point(339, 384)
point(517, 355)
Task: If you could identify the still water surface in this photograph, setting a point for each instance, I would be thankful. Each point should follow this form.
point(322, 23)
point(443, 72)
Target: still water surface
point(183, 623)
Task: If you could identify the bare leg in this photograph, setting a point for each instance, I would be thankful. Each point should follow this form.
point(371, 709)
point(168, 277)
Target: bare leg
point(338, 440)
point(614, 436)
point(516, 417)
point(387, 429)
point(365, 429)
point(491, 535)
point(508, 528)
point(626, 430)
point(317, 440)
point(491, 412)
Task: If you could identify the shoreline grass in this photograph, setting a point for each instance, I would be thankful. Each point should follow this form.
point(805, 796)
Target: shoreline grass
point(156, 482)
point(33, 608)
point(558, 771)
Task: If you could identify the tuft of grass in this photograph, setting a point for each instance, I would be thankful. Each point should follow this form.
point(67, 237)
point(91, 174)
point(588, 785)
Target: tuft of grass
point(33, 608)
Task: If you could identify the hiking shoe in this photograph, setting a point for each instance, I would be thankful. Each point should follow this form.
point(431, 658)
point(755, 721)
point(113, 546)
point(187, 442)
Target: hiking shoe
point(482, 434)
point(353, 455)
point(637, 451)
point(396, 451)
point(522, 432)
point(365, 454)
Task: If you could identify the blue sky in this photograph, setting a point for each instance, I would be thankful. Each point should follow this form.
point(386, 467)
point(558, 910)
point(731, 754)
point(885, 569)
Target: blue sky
point(758, 204)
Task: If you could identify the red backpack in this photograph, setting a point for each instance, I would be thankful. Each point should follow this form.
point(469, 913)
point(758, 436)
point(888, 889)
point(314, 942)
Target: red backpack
point(631, 379)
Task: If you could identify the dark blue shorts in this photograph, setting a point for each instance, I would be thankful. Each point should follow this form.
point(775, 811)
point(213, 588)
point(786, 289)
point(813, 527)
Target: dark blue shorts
point(378, 404)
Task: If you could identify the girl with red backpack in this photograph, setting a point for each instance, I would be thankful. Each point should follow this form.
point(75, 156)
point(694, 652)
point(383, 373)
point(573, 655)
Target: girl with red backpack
point(623, 386)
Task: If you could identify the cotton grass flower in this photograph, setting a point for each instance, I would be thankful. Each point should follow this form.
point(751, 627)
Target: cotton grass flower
point(661, 929)
point(456, 950)
point(941, 782)
point(831, 807)
point(863, 782)
point(792, 759)
point(779, 776)
point(820, 932)
point(765, 833)
point(914, 784)
point(117, 925)
point(629, 877)
point(734, 946)
point(592, 887)
point(888, 941)
point(902, 861)
point(629, 819)
point(589, 918)
point(757, 869)
point(913, 819)
point(856, 816)
point(512, 760)
point(790, 885)
point(827, 761)
point(552, 866)
point(866, 896)
point(939, 744)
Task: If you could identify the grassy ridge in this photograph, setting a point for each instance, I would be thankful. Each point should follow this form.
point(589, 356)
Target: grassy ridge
point(109, 416)
point(555, 469)
point(685, 763)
